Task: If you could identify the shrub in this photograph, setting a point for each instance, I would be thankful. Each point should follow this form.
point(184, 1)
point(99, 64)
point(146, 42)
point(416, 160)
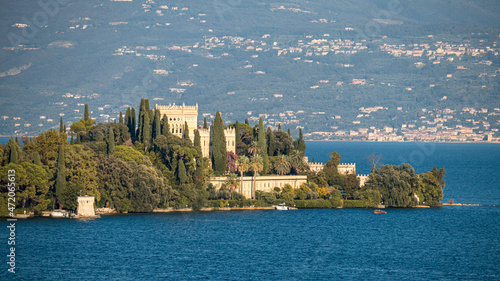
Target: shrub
point(355, 204)
point(336, 198)
point(313, 203)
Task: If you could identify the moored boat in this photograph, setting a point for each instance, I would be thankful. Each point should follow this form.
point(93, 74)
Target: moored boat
point(58, 214)
point(380, 212)
point(282, 207)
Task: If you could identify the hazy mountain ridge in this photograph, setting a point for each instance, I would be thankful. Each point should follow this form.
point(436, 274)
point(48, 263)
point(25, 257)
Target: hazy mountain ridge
point(222, 54)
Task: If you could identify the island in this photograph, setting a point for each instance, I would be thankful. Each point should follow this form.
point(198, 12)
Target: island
point(163, 159)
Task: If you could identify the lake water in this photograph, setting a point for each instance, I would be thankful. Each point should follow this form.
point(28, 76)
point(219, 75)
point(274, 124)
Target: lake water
point(449, 243)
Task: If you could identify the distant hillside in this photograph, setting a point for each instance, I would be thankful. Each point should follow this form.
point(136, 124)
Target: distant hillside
point(324, 65)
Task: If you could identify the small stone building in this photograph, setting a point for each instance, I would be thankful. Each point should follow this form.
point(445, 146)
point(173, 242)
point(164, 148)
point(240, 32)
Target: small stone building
point(86, 206)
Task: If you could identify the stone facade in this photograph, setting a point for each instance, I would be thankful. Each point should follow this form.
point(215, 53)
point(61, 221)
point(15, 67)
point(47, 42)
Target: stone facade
point(316, 167)
point(177, 115)
point(345, 169)
point(262, 183)
point(362, 179)
point(86, 206)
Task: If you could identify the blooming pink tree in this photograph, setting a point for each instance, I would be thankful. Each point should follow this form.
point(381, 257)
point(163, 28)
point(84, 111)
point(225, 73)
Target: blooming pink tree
point(231, 162)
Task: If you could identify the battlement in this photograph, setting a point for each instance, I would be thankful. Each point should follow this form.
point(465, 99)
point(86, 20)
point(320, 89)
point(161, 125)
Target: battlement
point(177, 107)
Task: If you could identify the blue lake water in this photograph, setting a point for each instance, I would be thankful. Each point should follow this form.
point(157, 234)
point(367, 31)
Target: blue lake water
point(449, 243)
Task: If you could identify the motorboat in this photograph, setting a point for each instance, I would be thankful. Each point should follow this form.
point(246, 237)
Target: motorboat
point(58, 214)
point(282, 207)
point(379, 212)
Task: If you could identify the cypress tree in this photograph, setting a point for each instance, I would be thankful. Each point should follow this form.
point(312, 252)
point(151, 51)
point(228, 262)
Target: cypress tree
point(86, 115)
point(219, 151)
point(289, 132)
point(37, 160)
point(111, 141)
point(181, 172)
point(263, 145)
point(127, 118)
point(237, 133)
point(140, 121)
point(64, 128)
point(78, 137)
point(198, 173)
point(156, 125)
point(133, 123)
point(121, 118)
point(61, 126)
point(301, 144)
point(186, 131)
point(197, 144)
point(279, 127)
point(166, 128)
point(271, 143)
point(246, 122)
point(61, 176)
point(11, 154)
point(205, 126)
point(72, 141)
point(146, 129)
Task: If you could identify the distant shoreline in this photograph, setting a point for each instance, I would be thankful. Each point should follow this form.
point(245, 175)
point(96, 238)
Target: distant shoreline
point(340, 140)
point(405, 141)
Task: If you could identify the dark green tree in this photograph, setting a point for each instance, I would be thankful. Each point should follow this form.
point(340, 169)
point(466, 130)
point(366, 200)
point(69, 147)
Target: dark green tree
point(36, 159)
point(12, 152)
point(246, 122)
point(219, 151)
point(186, 131)
point(271, 142)
point(60, 185)
point(121, 118)
point(205, 126)
point(263, 146)
point(140, 121)
point(181, 173)
point(197, 143)
point(290, 134)
point(127, 118)
point(61, 126)
point(331, 170)
point(156, 125)
point(132, 123)
point(301, 144)
point(86, 115)
point(279, 127)
point(146, 129)
point(111, 141)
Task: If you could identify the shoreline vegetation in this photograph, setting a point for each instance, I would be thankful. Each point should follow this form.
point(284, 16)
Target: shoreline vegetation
point(144, 162)
point(107, 211)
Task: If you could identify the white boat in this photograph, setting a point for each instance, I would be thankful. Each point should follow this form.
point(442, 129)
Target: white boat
point(282, 207)
point(58, 214)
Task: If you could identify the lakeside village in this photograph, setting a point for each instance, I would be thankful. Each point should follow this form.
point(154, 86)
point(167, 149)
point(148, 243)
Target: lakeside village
point(162, 159)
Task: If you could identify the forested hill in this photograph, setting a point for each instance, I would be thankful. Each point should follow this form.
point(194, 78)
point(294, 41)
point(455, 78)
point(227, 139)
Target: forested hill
point(323, 65)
